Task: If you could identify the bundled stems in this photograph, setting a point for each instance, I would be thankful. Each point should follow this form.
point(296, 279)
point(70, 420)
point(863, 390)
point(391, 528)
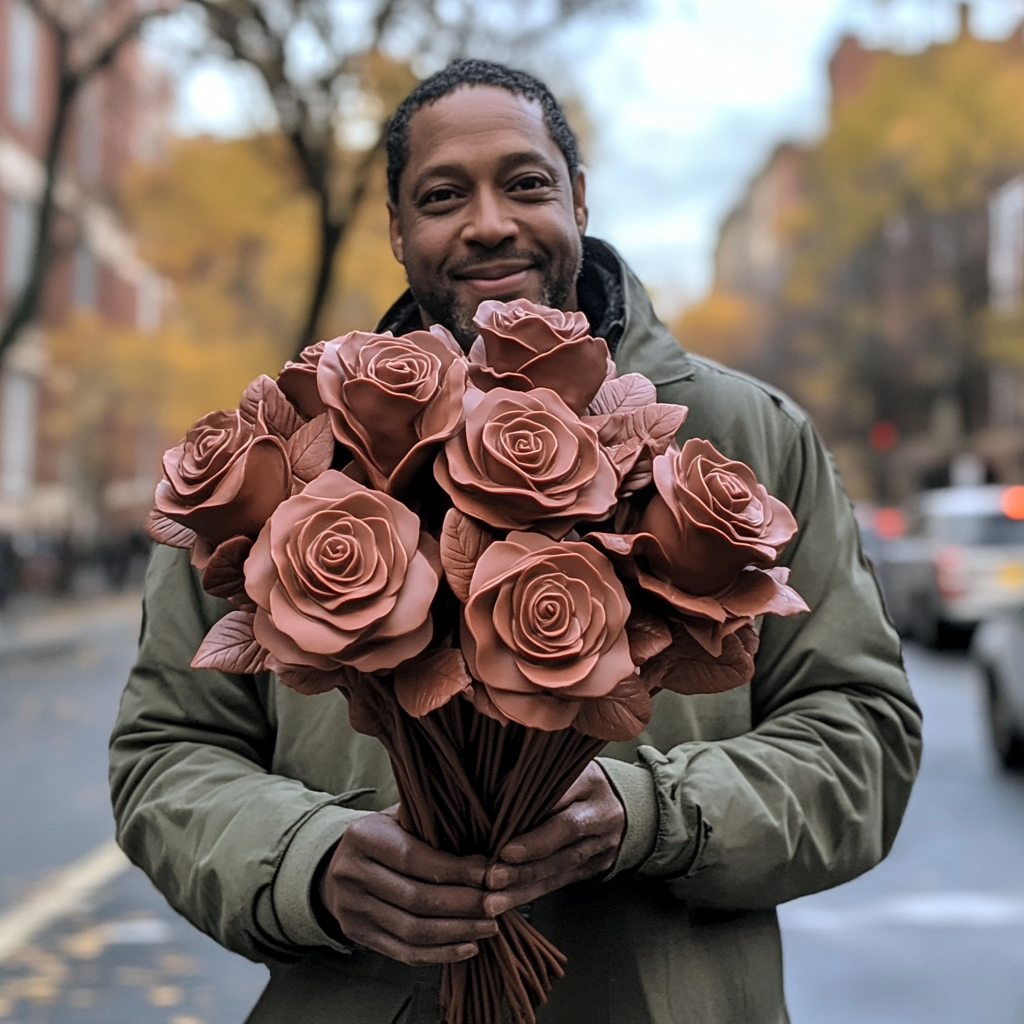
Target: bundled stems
point(469, 784)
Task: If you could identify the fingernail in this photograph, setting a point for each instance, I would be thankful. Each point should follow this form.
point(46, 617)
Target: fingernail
point(512, 853)
point(497, 905)
point(466, 952)
point(497, 878)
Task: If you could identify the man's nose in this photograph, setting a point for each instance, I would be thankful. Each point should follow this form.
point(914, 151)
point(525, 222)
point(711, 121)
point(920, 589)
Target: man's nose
point(490, 222)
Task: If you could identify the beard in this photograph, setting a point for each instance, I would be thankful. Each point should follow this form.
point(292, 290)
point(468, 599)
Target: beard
point(443, 306)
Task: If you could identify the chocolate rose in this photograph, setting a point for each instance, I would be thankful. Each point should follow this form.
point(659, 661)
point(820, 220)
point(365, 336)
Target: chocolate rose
point(298, 381)
point(545, 628)
point(391, 400)
point(524, 346)
point(225, 478)
point(526, 461)
point(342, 575)
point(712, 518)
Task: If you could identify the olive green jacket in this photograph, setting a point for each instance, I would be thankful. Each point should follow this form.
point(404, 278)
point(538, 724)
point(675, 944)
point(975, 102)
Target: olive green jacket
point(229, 790)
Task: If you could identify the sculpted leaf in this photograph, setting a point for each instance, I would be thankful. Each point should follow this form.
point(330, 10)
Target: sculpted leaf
point(224, 577)
point(167, 531)
point(648, 635)
point(657, 424)
point(463, 541)
point(630, 391)
point(687, 668)
point(425, 684)
point(620, 716)
point(230, 646)
point(305, 679)
point(278, 414)
point(311, 448)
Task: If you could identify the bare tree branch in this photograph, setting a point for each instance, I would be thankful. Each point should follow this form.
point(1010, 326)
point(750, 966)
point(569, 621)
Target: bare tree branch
point(72, 76)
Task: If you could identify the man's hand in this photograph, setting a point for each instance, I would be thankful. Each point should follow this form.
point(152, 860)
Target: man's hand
point(579, 841)
point(397, 895)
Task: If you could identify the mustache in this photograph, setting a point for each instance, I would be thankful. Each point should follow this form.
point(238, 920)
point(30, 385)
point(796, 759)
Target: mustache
point(499, 253)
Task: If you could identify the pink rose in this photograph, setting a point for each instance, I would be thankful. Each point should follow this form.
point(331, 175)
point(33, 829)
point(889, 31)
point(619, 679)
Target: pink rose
point(523, 346)
point(392, 400)
point(342, 575)
point(712, 518)
point(298, 381)
point(526, 461)
point(545, 628)
point(225, 478)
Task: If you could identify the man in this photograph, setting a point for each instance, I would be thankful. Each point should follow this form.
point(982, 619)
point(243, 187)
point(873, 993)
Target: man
point(263, 817)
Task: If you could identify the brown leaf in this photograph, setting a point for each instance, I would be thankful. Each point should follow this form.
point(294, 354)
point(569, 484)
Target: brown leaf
point(463, 541)
point(425, 684)
point(620, 716)
point(279, 415)
point(687, 668)
point(365, 711)
point(224, 576)
point(648, 635)
point(231, 647)
point(305, 679)
point(311, 448)
point(630, 391)
point(657, 424)
point(167, 531)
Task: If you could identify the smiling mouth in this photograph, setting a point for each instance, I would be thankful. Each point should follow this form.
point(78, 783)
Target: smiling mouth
point(496, 280)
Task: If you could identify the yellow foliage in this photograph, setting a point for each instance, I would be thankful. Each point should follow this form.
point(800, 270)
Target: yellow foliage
point(930, 131)
point(723, 326)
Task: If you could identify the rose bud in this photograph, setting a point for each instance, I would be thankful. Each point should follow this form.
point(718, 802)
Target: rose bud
point(523, 346)
point(526, 461)
point(298, 381)
point(342, 575)
point(545, 628)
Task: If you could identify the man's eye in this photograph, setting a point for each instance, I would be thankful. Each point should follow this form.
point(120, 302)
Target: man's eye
point(439, 195)
point(528, 183)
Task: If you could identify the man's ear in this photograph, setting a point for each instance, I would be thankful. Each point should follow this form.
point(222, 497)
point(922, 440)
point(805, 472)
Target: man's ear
point(395, 233)
point(579, 201)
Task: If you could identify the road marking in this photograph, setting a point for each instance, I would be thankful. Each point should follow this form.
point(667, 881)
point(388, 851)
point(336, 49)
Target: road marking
point(66, 891)
point(920, 910)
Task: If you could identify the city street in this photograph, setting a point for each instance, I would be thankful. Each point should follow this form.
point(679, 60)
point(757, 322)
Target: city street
point(933, 936)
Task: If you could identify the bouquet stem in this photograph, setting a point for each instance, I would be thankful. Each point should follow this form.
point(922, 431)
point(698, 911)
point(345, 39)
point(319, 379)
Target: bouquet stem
point(468, 785)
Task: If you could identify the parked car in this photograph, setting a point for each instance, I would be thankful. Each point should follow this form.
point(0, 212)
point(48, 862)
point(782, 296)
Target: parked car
point(998, 650)
point(960, 559)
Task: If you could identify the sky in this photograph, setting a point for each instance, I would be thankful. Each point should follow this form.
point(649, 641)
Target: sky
point(687, 101)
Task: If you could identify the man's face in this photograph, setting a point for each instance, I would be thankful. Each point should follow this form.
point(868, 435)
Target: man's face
point(486, 209)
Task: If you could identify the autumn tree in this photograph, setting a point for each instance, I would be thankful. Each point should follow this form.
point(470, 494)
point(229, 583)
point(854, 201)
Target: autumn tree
point(335, 72)
point(87, 37)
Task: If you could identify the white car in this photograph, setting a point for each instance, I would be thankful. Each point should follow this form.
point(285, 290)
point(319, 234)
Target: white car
point(998, 650)
point(960, 559)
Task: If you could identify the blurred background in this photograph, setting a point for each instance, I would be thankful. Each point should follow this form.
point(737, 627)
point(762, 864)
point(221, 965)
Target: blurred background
point(828, 194)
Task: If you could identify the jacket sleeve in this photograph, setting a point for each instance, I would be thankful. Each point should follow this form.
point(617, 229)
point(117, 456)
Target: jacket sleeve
point(231, 846)
point(813, 795)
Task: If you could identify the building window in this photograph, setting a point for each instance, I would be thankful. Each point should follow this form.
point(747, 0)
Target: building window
point(22, 64)
point(1006, 245)
point(86, 277)
point(17, 421)
point(18, 236)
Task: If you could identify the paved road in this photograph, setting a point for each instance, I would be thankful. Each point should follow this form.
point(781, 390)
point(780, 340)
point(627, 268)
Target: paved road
point(933, 936)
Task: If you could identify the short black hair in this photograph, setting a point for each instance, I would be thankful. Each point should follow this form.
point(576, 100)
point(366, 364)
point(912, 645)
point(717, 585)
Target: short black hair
point(475, 72)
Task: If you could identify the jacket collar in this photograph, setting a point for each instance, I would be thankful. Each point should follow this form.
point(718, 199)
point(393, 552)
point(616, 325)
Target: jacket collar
point(618, 309)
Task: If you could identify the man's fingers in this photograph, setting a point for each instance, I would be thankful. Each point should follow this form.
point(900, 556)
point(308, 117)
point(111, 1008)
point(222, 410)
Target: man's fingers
point(563, 829)
point(420, 898)
point(498, 902)
point(375, 938)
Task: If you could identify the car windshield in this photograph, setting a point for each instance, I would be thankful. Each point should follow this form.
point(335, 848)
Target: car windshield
point(989, 529)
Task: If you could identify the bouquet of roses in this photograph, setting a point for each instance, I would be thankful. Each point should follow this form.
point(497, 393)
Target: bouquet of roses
point(498, 558)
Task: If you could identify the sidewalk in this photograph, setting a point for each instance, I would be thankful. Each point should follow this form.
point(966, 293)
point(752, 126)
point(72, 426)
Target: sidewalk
point(36, 626)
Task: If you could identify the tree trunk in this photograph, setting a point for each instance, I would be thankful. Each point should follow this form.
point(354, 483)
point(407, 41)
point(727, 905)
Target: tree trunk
point(24, 307)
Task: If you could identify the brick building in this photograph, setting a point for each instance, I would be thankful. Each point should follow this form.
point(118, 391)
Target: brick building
point(118, 118)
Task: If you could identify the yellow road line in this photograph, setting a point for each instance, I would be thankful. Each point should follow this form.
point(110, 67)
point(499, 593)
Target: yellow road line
point(64, 893)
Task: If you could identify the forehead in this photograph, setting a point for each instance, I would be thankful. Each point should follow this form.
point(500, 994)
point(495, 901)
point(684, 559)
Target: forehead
point(478, 123)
